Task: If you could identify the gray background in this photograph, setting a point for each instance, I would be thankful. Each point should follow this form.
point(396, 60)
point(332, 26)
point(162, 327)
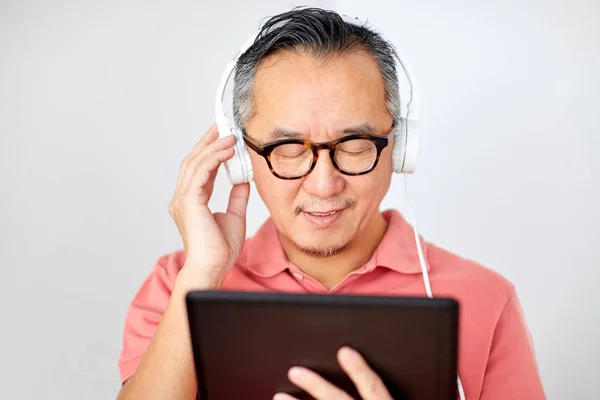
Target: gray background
point(100, 101)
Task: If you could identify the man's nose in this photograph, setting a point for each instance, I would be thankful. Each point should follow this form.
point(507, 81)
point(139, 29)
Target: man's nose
point(324, 180)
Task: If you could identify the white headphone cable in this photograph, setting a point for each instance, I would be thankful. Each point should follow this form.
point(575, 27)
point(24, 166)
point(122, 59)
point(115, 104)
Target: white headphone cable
point(461, 391)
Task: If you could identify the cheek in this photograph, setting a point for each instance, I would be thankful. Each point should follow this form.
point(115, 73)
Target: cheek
point(371, 190)
point(277, 194)
point(367, 191)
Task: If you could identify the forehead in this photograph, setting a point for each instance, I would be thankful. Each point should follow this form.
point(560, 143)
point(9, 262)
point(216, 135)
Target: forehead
point(316, 96)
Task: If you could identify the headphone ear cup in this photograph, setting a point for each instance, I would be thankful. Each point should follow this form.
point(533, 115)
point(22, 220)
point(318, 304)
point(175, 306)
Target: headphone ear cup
point(399, 146)
point(244, 156)
point(411, 147)
point(239, 167)
point(405, 148)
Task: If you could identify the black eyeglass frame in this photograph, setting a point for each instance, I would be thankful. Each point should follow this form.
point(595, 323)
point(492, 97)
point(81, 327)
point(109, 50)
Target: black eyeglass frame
point(380, 142)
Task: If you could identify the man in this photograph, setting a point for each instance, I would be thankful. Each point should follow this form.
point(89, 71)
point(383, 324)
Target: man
point(312, 77)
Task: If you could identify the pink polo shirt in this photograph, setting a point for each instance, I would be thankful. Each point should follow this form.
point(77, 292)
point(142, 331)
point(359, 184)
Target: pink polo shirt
point(496, 356)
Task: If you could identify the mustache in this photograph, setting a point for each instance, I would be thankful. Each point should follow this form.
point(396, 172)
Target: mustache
point(336, 203)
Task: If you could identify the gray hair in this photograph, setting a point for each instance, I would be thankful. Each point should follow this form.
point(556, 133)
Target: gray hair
point(320, 33)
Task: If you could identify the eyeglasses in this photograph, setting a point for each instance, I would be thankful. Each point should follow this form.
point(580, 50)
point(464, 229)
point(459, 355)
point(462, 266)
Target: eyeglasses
point(294, 159)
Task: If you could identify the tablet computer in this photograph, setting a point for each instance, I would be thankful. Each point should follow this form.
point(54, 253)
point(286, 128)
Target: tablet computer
point(244, 343)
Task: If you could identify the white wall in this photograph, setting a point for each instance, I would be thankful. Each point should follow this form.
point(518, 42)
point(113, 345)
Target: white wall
point(100, 101)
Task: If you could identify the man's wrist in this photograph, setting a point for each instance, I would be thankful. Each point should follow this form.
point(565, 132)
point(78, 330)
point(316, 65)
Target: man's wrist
point(190, 279)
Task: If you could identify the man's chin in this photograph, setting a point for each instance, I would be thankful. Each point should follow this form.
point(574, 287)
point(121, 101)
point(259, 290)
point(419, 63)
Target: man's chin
point(321, 251)
point(320, 244)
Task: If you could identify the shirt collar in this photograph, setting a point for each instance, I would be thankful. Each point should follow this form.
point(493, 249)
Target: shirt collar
point(263, 255)
point(398, 249)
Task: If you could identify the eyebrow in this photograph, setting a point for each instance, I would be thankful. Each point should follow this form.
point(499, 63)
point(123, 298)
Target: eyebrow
point(281, 133)
point(362, 129)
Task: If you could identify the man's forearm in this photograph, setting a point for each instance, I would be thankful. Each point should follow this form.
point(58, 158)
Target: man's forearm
point(167, 370)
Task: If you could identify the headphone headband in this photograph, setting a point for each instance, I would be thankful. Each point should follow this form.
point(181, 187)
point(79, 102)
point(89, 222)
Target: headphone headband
point(412, 107)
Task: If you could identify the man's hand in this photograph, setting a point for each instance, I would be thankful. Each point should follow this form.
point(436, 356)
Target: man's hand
point(212, 241)
point(368, 383)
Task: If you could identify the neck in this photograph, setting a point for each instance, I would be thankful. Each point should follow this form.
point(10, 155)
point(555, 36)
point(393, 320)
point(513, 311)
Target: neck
point(331, 270)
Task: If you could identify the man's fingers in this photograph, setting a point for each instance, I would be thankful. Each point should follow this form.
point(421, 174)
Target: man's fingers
point(367, 382)
point(238, 199)
point(315, 385)
point(210, 136)
point(203, 172)
point(212, 147)
point(204, 152)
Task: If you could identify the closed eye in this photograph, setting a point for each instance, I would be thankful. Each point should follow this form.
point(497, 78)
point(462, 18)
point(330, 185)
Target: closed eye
point(356, 153)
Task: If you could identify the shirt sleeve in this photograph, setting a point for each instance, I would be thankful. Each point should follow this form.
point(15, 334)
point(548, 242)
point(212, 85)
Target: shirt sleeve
point(145, 312)
point(512, 371)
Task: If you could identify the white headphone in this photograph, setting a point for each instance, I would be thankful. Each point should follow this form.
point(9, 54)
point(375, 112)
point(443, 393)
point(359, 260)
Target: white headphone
point(406, 132)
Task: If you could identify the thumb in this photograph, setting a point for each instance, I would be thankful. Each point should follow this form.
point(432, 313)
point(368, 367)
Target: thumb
point(238, 199)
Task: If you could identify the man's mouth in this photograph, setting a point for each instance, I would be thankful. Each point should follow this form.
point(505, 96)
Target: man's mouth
point(322, 219)
point(322, 213)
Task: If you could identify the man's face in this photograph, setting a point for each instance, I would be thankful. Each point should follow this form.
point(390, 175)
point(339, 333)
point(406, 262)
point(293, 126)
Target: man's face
point(320, 100)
